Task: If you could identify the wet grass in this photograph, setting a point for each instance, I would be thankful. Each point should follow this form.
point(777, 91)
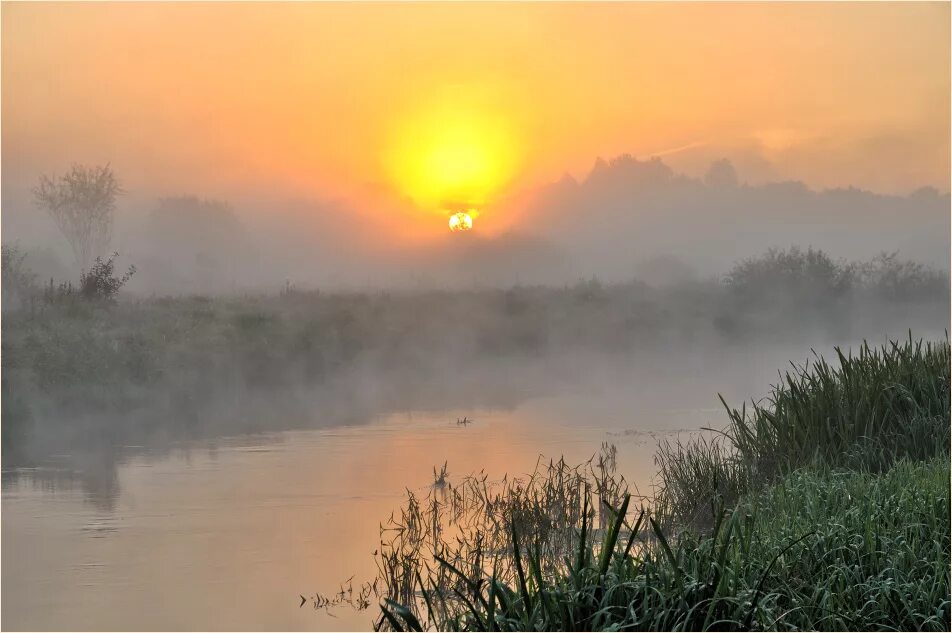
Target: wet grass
point(863, 412)
point(824, 507)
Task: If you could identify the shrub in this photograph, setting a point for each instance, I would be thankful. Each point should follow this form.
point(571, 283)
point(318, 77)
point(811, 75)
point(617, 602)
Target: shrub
point(101, 283)
point(792, 273)
point(899, 280)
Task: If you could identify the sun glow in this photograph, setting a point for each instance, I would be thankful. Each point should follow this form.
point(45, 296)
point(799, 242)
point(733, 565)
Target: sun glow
point(452, 153)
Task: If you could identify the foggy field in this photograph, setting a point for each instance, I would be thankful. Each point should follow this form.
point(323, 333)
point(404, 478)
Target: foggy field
point(90, 371)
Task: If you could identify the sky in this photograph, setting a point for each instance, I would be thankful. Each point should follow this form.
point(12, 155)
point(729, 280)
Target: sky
point(442, 104)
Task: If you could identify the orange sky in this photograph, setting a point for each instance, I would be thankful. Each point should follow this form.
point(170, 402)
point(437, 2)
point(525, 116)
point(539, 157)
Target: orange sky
point(315, 99)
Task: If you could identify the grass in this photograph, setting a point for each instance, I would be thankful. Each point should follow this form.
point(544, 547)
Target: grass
point(817, 551)
point(879, 553)
point(826, 507)
point(864, 413)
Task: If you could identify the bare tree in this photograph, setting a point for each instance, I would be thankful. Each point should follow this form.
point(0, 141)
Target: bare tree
point(82, 203)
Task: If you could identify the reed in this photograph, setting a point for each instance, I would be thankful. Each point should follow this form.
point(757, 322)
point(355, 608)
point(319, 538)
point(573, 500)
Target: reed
point(469, 526)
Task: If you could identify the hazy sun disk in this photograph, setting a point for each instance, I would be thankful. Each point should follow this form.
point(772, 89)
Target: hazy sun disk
point(452, 153)
point(461, 222)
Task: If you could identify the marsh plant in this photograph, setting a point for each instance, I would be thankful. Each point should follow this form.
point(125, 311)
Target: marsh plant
point(818, 551)
point(467, 526)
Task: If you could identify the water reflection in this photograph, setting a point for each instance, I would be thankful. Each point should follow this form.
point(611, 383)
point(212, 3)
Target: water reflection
point(251, 418)
point(96, 475)
point(231, 537)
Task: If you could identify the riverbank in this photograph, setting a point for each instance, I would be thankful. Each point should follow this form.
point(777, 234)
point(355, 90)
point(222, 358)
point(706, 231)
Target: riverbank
point(827, 508)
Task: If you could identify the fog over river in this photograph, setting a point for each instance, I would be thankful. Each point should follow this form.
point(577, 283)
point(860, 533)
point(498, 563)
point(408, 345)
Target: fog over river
point(229, 532)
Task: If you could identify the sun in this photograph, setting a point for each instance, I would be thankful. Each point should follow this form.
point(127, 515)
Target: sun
point(461, 221)
point(450, 152)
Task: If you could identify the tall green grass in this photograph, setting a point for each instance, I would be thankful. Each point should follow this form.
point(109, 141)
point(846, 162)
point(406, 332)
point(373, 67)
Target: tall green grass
point(864, 412)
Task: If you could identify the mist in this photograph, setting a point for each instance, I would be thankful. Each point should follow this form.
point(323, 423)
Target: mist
point(615, 224)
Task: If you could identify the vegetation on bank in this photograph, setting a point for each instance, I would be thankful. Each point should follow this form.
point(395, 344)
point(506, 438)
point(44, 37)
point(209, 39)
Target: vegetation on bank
point(835, 517)
point(867, 411)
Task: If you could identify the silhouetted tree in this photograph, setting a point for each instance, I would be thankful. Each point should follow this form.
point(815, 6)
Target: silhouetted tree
point(900, 280)
point(793, 274)
point(82, 204)
point(200, 238)
point(721, 174)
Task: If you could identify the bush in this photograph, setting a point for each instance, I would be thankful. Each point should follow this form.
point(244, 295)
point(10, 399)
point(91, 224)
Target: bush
point(900, 280)
point(791, 273)
point(101, 283)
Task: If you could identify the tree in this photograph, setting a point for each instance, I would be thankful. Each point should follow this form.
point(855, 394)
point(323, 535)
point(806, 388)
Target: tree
point(793, 275)
point(197, 239)
point(721, 175)
point(188, 224)
point(82, 204)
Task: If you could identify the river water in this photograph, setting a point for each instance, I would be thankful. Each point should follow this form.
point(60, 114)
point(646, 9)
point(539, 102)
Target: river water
point(228, 533)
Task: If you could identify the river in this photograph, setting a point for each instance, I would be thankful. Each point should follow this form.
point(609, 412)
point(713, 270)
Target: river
point(229, 532)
